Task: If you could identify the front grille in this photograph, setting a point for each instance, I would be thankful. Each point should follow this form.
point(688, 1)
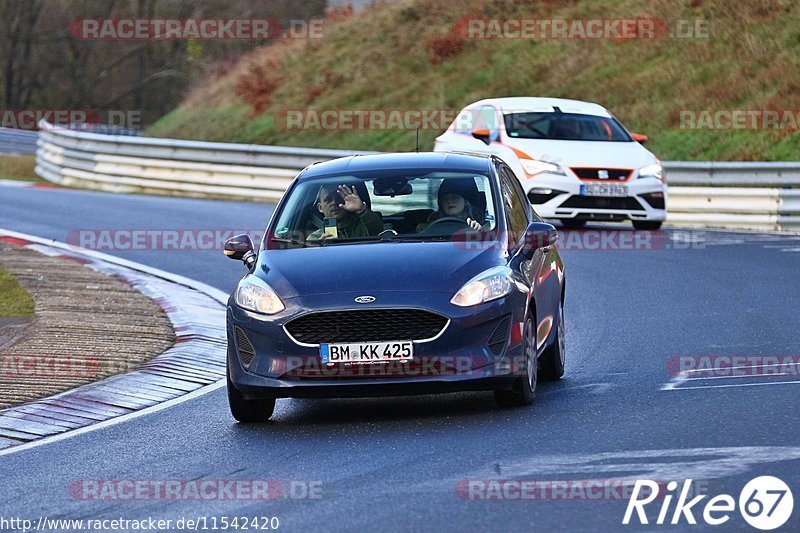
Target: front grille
point(497, 342)
point(366, 326)
point(614, 174)
point(627, 203)
point(246, 350)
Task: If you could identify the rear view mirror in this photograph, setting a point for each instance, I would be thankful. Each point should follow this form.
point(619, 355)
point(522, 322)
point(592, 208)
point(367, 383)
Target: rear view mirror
point(482, 134)
point(392, 187)
point(639, 138)
point(240, 247)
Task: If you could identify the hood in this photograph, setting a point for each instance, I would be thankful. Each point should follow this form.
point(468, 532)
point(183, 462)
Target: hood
point(586, 153)
point(391, 266)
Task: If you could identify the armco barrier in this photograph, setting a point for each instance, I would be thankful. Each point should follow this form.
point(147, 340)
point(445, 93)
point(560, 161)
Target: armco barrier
point(14, 141)
point(702, 194)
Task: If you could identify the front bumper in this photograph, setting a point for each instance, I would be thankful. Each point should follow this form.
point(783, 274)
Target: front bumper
point(459, 359)
point(647, 199)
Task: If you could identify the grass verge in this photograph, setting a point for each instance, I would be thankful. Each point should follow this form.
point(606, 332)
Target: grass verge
point(15, 301)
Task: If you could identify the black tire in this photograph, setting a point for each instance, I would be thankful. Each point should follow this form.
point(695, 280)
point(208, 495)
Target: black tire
point(523, 391)
point(553, 357)
point(249, 411)
point(647, 224)
point(572, 223)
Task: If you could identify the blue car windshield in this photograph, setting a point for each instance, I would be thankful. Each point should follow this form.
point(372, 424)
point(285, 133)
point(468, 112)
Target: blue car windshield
point(386, 205)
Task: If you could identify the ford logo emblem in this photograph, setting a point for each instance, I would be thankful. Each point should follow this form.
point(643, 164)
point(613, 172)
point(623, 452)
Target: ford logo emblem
point(365, 299)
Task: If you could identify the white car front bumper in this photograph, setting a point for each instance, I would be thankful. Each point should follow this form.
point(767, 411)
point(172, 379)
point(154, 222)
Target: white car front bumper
point(647, 199)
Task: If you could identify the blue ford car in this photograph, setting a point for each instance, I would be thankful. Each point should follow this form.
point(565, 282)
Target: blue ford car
point(396, 274)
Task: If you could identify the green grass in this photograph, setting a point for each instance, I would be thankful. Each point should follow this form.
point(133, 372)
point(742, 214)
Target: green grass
point(379, 60)
point(15, 301)
point(19, 167)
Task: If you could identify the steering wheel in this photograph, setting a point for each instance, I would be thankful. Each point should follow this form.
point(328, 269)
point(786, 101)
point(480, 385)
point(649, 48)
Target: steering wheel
point(445, 220)
point(387, 232)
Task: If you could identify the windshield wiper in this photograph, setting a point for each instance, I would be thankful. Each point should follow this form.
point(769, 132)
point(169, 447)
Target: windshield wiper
point(295, 241)
point(425, 238)
point(347, 240)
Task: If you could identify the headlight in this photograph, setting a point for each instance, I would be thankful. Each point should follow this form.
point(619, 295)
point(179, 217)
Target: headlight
point(255, 295)
point(652, 171)
point(533, 167)
point(485, 287)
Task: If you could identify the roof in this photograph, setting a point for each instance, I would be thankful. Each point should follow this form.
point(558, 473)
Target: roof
point(401, 160)
point(527, 103)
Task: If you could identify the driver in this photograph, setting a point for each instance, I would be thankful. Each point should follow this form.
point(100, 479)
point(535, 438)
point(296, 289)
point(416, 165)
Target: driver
point(453, 203)
point(353, 217)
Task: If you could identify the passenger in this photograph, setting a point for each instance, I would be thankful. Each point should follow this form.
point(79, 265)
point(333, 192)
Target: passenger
point(453, 202)
point(353, 217)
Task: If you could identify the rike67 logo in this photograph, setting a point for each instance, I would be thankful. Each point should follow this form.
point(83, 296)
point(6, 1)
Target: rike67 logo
point(765, 503)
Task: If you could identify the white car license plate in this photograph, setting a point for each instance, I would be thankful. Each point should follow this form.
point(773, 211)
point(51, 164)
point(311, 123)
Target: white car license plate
point(367, 352)
point(604, 190)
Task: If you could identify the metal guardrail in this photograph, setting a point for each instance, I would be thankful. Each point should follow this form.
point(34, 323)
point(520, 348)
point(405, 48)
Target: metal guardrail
point(14, 141)
point(702, 194)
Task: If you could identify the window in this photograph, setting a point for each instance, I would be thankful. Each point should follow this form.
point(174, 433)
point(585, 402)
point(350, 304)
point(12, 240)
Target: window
point(424, 204)
point(564, 127)
point(514, 203)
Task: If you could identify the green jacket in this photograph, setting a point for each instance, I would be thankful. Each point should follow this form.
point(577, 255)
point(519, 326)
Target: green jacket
point(364, 225)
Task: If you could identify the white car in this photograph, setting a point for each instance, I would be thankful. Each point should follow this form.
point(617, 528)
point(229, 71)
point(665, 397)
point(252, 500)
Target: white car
point(574, 159)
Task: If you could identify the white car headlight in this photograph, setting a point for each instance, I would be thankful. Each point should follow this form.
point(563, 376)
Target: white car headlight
point(652, 171)
point(255, 295)
point(485, 287)
point(533, 167)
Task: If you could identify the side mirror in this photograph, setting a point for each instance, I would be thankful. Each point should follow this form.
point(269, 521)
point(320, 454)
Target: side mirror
point(240, 247)
point(639, 138)
point(482, 134)
point(539, 235)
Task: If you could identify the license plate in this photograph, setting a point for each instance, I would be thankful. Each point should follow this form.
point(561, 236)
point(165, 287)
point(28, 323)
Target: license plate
point(367, 352)
point(604, 190)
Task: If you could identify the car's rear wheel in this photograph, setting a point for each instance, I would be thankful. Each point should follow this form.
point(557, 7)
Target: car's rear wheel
point(647, 224)
point(249, 410)
point(554, 355)
point(523, 390)
point(572, 223)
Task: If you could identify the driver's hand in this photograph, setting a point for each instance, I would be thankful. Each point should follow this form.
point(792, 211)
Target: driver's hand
point(326, 236)
point(473, 224)
point(350, 200)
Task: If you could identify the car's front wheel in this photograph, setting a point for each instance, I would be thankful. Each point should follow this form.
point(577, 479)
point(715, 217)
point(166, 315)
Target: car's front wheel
point(523, 390)
point(647, 224)
point(248, 410)
point(554, 355)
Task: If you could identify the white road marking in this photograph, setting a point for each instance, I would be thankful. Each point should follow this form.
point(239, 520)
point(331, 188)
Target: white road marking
point(698, 463)
point(737, 385)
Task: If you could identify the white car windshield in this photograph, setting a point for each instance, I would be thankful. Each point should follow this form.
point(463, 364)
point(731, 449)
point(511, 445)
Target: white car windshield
point(395, 205)
point(564, 127)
